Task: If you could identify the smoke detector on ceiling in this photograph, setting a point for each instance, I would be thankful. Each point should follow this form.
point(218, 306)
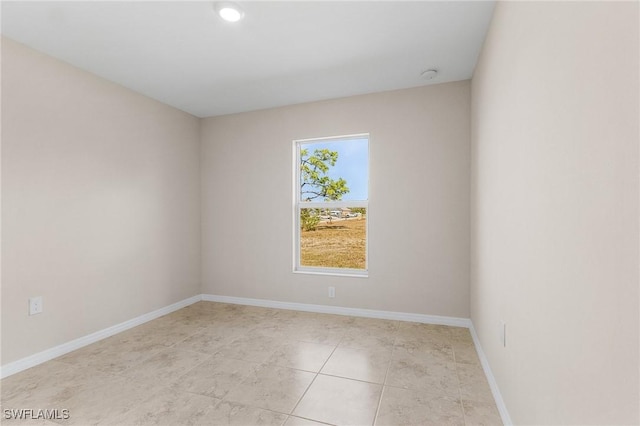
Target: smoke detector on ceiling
point(429, 74)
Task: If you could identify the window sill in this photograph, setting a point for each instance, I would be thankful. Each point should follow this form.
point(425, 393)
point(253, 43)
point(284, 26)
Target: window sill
point(333, 273)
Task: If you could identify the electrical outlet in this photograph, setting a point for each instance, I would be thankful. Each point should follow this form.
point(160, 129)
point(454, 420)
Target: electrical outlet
point(332, 292)
point(35, 305)
point(503, 334)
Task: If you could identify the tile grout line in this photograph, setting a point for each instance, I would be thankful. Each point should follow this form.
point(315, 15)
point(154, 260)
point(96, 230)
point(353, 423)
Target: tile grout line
point(314, 379)
point(455, 362)
point(311, 420)
point(386, 374)
point(352, 379)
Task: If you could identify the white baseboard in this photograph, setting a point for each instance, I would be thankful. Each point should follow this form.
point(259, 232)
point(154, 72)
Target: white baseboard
point(338, 310)
point(49, 354)
point(502, 407)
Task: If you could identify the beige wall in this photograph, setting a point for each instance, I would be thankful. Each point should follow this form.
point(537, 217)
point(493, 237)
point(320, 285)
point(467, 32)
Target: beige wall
point(100, 197)
point(419, 162)
point(555, 210)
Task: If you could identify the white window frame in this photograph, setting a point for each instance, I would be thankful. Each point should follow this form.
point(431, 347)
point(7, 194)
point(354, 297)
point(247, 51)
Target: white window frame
point(298, 204)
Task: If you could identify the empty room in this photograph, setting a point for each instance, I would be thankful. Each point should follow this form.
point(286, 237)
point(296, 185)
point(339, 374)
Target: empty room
point(320, 213)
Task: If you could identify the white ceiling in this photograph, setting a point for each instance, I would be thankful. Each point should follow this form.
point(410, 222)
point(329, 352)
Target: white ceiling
point(282, 53)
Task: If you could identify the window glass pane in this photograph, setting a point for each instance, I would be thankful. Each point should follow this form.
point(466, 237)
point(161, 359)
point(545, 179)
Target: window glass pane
point(333, 238)
point(334, 170)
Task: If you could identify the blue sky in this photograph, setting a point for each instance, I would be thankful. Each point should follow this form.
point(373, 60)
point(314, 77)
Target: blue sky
point(352, 164)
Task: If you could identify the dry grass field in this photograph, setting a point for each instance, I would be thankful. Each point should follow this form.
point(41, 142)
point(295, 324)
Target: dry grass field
point(341, 244)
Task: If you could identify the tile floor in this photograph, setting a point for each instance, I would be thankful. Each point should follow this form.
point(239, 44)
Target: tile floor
point(218, 364)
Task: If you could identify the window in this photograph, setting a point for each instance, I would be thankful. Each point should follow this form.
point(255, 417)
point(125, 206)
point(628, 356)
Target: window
point(331, 198)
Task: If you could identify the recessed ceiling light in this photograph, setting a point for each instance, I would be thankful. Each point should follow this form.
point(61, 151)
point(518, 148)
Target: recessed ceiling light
point(228, 11)
point(429, 74)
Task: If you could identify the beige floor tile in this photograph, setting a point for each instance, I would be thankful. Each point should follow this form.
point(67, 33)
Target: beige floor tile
point(288, 314)
point(106, 401)
point(49, 385)
point(90, 396)
point(423, 372)
point(441, 348)
point(370, 333)
point(250, 348)
point(207, 341)
point(231, 413)
point(273, 329)
point(272, 388)
point(216, 363)
point(408, 407)
point(473, 383)
point(340, 401)
point(245, 315)
point(192, 317)
point(301, 355)
point(36, 384)
point(324, 320)
point(83, 357)
point(298, 421)
point(380, 327)
point(231, 326)
point(31, 419)
point(465, 353)
point(216, 376)
point(481, 413)
point(369, 365)
point(169, 407)
point(367, 340)
point(421, 331)
point(460, 334)
point(258, 312)
point(324, 334)
point(158, 332)
point(165, 366)
point(112, 355)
